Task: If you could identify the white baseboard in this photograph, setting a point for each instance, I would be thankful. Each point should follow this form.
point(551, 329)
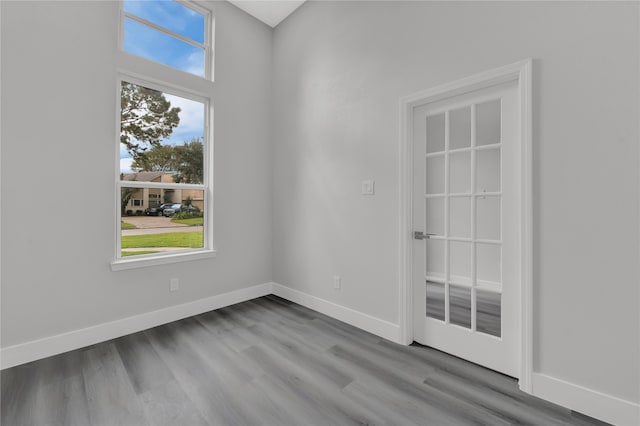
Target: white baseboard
point(385, 329)
point(586, 401)
point(54, 345)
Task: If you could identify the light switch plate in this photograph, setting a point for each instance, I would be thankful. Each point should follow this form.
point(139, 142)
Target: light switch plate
point(368, 187)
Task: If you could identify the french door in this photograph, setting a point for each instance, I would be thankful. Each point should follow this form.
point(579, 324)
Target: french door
point(466, 217)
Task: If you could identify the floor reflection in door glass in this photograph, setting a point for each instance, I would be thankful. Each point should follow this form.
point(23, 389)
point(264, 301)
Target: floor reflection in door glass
point(435, 300)
point(488, 312)
point(460, 306)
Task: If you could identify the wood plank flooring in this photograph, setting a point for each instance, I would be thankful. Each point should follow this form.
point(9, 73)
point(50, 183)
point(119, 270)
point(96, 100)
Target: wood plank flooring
point(265, 362)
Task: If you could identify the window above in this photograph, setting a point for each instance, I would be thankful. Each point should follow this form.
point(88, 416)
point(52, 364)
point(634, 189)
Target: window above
point(173, 33)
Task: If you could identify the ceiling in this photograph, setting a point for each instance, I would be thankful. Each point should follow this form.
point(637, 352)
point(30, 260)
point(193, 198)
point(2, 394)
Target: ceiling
point(271, 12)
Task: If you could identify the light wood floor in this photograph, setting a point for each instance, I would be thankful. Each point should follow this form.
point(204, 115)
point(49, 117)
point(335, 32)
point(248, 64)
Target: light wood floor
point(265, 362)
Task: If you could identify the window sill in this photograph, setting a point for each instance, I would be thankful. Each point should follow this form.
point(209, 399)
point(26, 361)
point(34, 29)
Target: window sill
point(144, 262)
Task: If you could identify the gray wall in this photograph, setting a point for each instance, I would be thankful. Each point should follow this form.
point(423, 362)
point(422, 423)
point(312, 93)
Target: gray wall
point(340, 70)
point(58, 197)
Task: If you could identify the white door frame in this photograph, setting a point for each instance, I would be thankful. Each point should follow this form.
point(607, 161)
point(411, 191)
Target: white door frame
point(520, 72)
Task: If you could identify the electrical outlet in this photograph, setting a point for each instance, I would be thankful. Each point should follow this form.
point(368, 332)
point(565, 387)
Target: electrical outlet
point(368, 187)
point(174, 284)
point(337, 282)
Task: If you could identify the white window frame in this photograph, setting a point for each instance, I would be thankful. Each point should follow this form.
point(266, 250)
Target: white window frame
point(170, 80)
point(207, 46)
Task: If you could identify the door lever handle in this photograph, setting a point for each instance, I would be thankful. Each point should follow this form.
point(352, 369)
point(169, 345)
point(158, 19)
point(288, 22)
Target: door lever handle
point(418, 235)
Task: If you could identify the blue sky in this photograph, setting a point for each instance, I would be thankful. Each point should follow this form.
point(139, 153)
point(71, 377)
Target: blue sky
point(144, 41)
point(170, 15)
point(151, 44)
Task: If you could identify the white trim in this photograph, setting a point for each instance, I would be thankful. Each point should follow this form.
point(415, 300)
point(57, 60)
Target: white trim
point(483, 80)
point(405, 223)
point(144, 261)
point(117, 227)
point(208, 251)
point(377, 326)
point(165, 30)
point(161, 185)
point(168, 87)
point(586, 401)
point(520, 72)
point(525, 81)
point(54, 345)
point(207, 46)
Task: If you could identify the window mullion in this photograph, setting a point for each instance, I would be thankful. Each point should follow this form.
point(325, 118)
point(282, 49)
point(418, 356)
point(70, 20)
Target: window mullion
point(164, 30)
point(160, 185)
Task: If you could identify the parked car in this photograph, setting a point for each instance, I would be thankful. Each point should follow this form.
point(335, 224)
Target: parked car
point(176, 208)
point(157, 211)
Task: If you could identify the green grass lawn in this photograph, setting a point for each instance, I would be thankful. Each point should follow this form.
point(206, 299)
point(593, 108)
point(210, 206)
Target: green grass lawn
point(191, 221)
point(169, 239)
point(135, 253)
point(125, 225)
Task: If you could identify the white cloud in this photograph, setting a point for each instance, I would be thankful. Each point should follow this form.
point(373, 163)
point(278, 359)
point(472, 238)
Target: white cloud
point(195, 63)
point(125, 165)
point(191, 119)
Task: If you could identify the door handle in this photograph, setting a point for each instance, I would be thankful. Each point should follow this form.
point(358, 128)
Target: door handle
point(418, 235)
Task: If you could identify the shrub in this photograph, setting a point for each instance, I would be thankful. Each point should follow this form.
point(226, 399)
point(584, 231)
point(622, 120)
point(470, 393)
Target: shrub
point(129, 212)
point(139, 212)
point(187, 215)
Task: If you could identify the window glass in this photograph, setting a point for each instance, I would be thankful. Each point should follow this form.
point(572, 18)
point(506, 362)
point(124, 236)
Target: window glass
point(170, 15)
point(161, 136)
point(175, 225)
point(166, 32)
point(160, 47)
point(163, 179)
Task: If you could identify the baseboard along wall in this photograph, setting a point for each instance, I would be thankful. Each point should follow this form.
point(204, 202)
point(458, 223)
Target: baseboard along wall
point(592, 403)
point(596, 404)
point(42, 348)
point(382, 328)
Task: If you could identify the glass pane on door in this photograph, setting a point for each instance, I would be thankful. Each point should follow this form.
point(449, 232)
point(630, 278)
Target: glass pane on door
point(435, 175)
point(435, 300)
point(435, 215)
point(460, 173)
point(460, 306)
point(460, 217)
point(488, 123)
point(435, 258)
point(460, 262)
point(460, 128)
point(488, 218)
point(435, 133)
point(488, 263)
point(488, 170)
point(488, 312)
point(463, 204)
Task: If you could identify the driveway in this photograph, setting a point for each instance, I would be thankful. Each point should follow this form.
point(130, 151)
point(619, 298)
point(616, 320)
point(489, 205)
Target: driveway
point(147, 222)
point(155, 225)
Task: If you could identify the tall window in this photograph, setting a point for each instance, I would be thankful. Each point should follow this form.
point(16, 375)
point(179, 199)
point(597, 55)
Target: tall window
point(163, 184)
